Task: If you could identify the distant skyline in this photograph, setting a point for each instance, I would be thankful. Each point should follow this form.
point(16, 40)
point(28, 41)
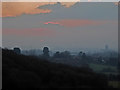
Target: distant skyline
point(60, 25)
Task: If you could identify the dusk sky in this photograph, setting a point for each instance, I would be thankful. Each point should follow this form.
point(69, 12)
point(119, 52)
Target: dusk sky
point(60, 25)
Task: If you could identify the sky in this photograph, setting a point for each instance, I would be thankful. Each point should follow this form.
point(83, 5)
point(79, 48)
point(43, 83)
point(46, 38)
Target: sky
point(60, 26)
point(59, 0)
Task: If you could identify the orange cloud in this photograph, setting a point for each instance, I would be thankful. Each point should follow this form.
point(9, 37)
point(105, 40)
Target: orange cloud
point(12, 9)
point(117, 3)
point(67, 4)
point(76, 22)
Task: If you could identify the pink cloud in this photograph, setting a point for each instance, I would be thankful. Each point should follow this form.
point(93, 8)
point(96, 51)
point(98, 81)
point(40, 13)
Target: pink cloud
point(29, 32)
point(52, 23)
point(77, 22)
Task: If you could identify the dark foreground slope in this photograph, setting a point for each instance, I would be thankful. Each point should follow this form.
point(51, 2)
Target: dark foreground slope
point(21, 71)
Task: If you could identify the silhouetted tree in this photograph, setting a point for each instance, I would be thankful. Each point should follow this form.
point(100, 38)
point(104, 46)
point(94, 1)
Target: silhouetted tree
point(65, 54)
point(83, 56)
point(17, 50)
point(80, 54)
point(46, 52)
point(57, 55)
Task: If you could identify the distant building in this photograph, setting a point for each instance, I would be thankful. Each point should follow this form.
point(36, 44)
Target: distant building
point(17, 50)
point(106, 47)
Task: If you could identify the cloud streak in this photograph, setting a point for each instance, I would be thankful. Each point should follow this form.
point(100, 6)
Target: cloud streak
point(29, 32)
point(52, 23)
point(76, 22)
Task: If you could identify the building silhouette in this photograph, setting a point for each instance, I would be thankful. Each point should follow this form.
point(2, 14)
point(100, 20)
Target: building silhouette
point(106, 47)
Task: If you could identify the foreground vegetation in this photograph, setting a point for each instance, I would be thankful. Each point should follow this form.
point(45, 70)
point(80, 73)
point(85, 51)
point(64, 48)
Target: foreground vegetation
point(21, 71)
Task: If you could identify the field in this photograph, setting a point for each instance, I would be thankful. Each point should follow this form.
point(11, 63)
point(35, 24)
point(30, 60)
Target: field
point(115, 84)
point(112, 70)
point(100, 68)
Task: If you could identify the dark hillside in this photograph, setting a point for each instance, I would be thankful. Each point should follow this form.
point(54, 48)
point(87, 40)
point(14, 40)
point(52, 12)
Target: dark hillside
point(21, 71)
